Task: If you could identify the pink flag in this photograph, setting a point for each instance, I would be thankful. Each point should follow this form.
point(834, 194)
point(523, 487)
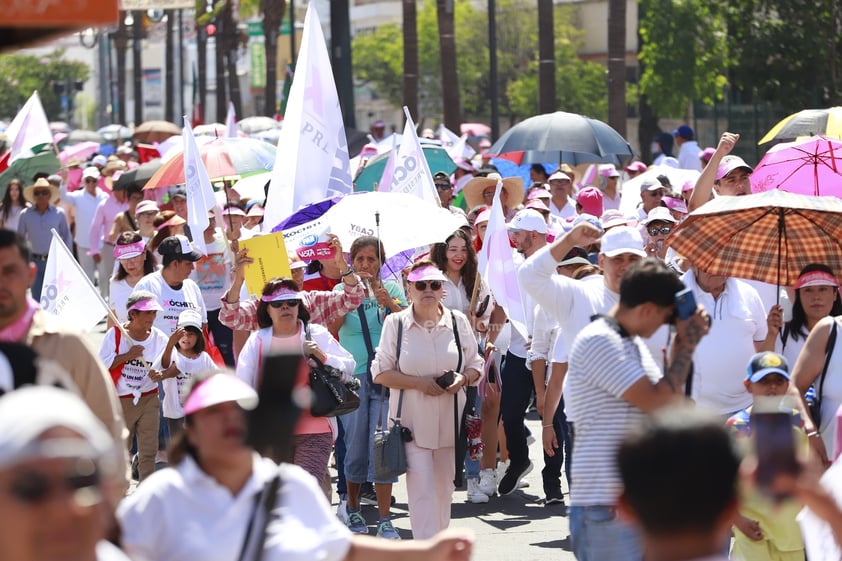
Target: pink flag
point(497, 266)
point(29, 131)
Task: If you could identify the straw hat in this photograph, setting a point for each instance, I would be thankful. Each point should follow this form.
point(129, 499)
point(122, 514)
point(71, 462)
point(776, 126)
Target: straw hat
point(42, 183)
point(473, 189)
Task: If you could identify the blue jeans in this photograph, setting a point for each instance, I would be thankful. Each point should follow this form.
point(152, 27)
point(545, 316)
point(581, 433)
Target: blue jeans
point(517, 392)
point(551, 474)
point(598, 535)
point(359, 428)
point(40, 269)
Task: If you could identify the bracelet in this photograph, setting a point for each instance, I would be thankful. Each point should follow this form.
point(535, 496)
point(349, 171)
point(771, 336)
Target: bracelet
point(812, 434)
point(547, 426)
point(350, 271)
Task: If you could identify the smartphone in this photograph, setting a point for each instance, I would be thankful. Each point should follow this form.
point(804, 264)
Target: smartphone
point(774, 444)
point(271, 423)
point(685, 303)
point(445, 380)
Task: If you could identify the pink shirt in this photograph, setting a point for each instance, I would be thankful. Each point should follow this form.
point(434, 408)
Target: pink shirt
point(103, 219)
point(17, 331)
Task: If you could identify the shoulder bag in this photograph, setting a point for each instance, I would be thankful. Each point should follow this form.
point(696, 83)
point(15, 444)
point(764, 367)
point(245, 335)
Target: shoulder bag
point(330, 396)
point(390, 444)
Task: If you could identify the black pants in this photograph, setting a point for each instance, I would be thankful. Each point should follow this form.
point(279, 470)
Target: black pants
point(551, 473)
point(222, 336)
point(517, 392)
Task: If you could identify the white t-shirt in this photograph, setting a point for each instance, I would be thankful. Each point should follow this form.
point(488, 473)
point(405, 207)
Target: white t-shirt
point(134, 380)
point(175, 389)
point(182, 514)
point(213, 272)
point(120, 290)
point(173, 301)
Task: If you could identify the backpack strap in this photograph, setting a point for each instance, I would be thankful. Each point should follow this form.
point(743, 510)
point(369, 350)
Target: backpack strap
point(117, 371)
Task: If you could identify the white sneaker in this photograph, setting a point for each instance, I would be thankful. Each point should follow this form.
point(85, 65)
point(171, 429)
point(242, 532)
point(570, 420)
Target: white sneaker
point(475, 495)
point(342, 510)
point(487, 481)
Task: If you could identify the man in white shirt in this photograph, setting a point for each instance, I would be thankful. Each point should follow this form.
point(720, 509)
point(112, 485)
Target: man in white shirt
point(561, 204)
point(85, 202)
point(688, 148)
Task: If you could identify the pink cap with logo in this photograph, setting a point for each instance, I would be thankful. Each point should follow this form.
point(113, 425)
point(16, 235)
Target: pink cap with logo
point(129, 251)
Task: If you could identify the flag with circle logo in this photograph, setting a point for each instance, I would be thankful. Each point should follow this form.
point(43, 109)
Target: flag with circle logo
point(200, 198)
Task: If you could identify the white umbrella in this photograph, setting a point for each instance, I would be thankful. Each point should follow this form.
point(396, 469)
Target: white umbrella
point(251, 187)
point(631, 188)
point(406, 221)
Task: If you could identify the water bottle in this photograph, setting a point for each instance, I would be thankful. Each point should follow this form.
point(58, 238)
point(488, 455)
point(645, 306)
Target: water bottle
point(786, 305)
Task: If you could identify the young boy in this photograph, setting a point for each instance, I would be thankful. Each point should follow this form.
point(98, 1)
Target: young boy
point(765, 530)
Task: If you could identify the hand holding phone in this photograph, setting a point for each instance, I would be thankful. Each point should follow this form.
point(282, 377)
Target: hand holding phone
point(685, 304)
point(774, 444)
point(446, 380)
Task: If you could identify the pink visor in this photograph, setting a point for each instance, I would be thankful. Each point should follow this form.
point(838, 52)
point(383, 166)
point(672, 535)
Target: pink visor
point(425, 273)
point(146, 305)
point(282, 293)
point(220, 388)
point(129, 250)
point(816, 278)
point(174, 221)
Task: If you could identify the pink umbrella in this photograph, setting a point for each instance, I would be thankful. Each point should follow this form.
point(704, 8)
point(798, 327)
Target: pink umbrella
point(81, 151)
point(807, 167)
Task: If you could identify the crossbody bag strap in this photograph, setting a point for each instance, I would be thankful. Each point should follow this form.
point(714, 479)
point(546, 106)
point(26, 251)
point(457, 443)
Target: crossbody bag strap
point(368, 345)
point(264, 504)
point(458, 342)
point(828, 352)
point(397, 367)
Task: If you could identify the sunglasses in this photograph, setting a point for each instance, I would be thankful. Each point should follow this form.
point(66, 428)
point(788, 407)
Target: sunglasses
point(285, 303)
point(443, 186)
point(658, 193)
point(664, 230)
point(40, 193)
point(90, 180)
point(422, 285)
point(35, 488)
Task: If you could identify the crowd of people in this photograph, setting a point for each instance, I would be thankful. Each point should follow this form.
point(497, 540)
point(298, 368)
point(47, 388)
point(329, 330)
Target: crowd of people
point(605, 355)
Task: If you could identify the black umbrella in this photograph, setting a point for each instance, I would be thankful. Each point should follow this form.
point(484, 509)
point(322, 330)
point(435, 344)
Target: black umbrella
point(564, 138)
point(139, 175)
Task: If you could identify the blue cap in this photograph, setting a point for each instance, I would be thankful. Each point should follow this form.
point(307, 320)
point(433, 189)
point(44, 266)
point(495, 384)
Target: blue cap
point(684, 132)
point(765, 363)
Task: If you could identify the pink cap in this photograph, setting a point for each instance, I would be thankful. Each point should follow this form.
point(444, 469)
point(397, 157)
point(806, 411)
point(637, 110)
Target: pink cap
point(282, 293)
point(428, 272)
point(636, 166)
point(729, 163)
point(815, 278)
point(233, 211)
point(129, 251)
point(541, 193)
point(256, 210)
point(707, 154)
point(676, 204)
point(609, 171)
point(538, 205)
point(146, 305)
point(590, 198)
point(220, 388)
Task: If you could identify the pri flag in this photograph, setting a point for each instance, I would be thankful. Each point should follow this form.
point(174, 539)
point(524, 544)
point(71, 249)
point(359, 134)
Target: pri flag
point(231, 122)
point(67, 292)
point(407, 170)
point(498, 268)
point(28, 132)
point(312, 161)
point(200, 198)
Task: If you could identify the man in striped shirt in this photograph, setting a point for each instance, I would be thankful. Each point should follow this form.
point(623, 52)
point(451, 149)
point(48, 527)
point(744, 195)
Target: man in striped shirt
point(612, 382)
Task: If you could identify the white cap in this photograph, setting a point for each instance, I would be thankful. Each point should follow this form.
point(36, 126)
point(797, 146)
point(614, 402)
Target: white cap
point(659, 214)
point(528, 220)
point(190, 318)
point(99, 160)
point(622, 239)
point(91, 172)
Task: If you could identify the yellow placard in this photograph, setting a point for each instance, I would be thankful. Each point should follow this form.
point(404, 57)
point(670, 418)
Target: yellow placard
point(270, 261)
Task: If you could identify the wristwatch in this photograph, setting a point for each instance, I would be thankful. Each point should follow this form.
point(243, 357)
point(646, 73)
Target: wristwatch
point(350, 271)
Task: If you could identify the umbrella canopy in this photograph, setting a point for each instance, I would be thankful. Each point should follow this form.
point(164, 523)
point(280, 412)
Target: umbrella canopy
point(252, 125)
point(405, 221)
point(808, 122)
point(252, 187)
point(437, 159)
point(81, 135)
point(82, 151)
point(115, 132)
point(224, 158)
point(809, 167)
point(767, 237)
point(155, 131)
point(564, 138)
point(138, 176)
point(59, 126)
point(25, 168)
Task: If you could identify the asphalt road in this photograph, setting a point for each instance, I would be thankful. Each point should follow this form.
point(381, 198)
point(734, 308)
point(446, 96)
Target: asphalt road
point(518, 526)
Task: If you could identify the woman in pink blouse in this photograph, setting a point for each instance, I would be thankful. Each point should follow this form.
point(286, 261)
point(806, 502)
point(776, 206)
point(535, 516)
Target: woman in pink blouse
point(429, 349)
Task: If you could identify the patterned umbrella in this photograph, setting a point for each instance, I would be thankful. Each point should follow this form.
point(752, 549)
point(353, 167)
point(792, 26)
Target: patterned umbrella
point(809, 167)
point(224, 158)
point(767, 237)
point(808, 122)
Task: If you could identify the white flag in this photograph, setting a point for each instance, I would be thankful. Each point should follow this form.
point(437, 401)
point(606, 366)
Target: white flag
point(389, 169)
point(231, 121)
point(67, 292)
point(497, 266)
point(410, 172)
point(28, 130)
point(200, 197)
point(312, 162)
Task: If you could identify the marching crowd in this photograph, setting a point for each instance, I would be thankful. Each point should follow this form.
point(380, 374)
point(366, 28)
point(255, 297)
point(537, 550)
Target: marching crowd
point(605, 347)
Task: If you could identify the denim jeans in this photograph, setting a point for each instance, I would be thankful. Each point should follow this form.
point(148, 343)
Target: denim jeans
point(597, 534)
point(517, 392)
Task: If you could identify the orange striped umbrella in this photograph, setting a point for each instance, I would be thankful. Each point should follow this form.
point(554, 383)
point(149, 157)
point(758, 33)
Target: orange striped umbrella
point(767, 236)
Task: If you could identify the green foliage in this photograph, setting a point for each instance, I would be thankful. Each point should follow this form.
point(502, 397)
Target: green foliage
point(23, 74)
point(684, 53)
point(378, 60)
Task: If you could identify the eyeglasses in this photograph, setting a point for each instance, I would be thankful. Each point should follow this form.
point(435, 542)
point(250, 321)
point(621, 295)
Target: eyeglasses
point(443, 186)
point(40, 193)
point(421, 286)
point(664, 230)
point(285, 303)
point(33, 487)
point(657, 193)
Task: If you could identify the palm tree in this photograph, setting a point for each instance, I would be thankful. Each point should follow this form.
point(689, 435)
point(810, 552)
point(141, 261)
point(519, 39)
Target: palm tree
point(137, 64)
point(121, 44)
point(410, 57)
point(273, 15)
point(449, 75)
point(230, 41)
point(169, 66)
point(617, 65)
point(546, 57)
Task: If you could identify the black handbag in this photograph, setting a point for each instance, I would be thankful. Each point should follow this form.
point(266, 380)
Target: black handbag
point(390, 445)
point(330, 396)
point(814, 401)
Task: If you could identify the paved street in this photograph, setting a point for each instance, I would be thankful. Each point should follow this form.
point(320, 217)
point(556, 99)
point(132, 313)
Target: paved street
point(517, 526)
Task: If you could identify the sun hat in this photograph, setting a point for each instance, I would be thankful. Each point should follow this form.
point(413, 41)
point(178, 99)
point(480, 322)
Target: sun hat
point(220, 388)
point(41, 183)
point(765, 363)
point(623, 239)
point(474, 188)
point(528, 220)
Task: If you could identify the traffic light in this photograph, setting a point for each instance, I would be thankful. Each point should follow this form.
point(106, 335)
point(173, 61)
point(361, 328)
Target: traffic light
point(58, 88)
point(78, 85)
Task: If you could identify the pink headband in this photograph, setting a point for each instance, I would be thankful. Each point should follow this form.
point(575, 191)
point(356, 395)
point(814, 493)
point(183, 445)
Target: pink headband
point(282, 293)
point(129, 250)
point(816, 278)
point(425, 273)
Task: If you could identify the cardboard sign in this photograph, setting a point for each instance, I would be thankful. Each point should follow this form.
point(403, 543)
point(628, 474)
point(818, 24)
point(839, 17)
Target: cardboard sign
point(270, 261)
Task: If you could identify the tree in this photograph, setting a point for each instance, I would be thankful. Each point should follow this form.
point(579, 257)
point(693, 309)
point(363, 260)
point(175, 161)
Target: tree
point(617, 65)
point(23, 74)
point(410, 57)
point(546, 57)
point(447, 56)
point(273, 15)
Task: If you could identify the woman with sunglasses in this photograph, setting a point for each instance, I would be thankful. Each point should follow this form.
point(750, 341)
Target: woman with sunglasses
point(359, 332)
point(285, 327)
point(435, 364)
point(201, 507)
